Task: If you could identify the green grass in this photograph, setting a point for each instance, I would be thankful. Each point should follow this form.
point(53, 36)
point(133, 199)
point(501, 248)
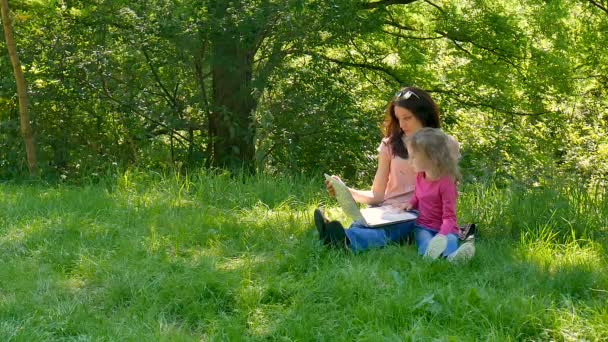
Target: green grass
point(209, 257)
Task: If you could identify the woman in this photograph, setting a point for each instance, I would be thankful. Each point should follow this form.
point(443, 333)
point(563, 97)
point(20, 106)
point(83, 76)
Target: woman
point(410, 110)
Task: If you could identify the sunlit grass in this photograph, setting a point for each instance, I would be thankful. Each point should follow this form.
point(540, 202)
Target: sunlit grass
point(210, 257)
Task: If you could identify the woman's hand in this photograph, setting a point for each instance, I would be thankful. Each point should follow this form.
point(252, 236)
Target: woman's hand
point(330, 188)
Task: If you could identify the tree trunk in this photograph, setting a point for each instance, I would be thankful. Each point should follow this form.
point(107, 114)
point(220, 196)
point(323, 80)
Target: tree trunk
point(231, 124)
point(26, 129)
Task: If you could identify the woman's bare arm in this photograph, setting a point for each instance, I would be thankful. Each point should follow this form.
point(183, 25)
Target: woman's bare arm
point(376, 195)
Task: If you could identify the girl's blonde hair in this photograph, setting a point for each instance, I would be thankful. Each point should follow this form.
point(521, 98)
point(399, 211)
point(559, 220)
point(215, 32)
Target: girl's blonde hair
point(435, 144)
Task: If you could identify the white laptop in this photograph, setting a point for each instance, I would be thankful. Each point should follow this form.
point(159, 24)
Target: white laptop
point(373, 216)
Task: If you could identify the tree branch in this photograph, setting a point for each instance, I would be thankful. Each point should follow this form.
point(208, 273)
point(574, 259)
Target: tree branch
point(494, 51)
point(458, 98)
point(410, 37)
point(501, 55)
point(598, 5)
point(385, 70)
point(170, 99)
point(436, 6)
point(384, 3)
point(106, 92)
point(460, 47)
point(399, 26)
point(506, 111)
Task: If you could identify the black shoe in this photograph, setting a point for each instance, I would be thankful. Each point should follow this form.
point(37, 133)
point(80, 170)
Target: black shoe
point(320, 222)
point(336, 235)
point(467, 232)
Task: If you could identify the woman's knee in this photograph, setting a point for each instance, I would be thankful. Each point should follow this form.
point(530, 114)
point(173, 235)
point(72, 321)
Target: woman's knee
point(358, 224)
point(361, 239)
point(398, 233)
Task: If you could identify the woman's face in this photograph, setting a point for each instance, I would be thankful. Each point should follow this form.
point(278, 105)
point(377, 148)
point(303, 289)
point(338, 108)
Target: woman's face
point(407, 121)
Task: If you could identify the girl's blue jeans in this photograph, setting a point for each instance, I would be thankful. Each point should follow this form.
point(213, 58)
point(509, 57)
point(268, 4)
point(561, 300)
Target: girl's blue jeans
point(362, 237)
point(424, 235)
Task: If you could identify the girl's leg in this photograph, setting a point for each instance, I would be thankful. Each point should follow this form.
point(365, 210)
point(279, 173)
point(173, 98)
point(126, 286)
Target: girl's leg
point(423, 236)
point(452, 245)
point(452, 251)
point(362, 237)
point(464, 253)
point(441, 245)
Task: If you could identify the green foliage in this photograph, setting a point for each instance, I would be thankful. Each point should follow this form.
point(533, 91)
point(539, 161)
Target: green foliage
point(567, 210)
point(210, 256)
point(522, 85)
point(318, 118)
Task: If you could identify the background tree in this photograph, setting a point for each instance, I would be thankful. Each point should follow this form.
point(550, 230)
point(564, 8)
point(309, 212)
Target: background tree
point(26, 129)
point(300, 86)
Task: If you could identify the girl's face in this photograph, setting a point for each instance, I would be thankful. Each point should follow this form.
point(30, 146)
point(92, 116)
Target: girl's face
point(408, 123)
point(420, 161)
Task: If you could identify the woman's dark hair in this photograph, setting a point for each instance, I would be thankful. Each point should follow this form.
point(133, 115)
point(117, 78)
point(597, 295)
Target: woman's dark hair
point(417, 101)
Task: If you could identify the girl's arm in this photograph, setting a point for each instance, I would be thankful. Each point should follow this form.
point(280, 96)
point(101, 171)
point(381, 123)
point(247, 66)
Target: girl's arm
point(409, 205)
point(376, 195)
point(448, 193)
point(413, 202)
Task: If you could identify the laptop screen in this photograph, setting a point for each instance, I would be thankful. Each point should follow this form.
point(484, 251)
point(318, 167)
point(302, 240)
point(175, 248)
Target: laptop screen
point(346, 200)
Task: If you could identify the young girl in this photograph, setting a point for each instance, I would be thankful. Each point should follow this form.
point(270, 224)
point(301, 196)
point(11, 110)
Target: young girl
point(435, 196)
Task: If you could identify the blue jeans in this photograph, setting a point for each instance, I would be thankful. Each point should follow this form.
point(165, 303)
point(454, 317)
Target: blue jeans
point(424, 235)
point(362, 237)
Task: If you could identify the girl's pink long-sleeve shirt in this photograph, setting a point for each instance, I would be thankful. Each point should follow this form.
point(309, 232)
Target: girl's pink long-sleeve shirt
point(436, 203)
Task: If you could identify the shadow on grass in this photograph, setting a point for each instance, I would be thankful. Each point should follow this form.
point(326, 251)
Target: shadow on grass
point(392, 293)
point(111, 259)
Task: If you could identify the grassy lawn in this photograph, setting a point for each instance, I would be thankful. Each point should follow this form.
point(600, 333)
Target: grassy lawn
point(150, 257)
